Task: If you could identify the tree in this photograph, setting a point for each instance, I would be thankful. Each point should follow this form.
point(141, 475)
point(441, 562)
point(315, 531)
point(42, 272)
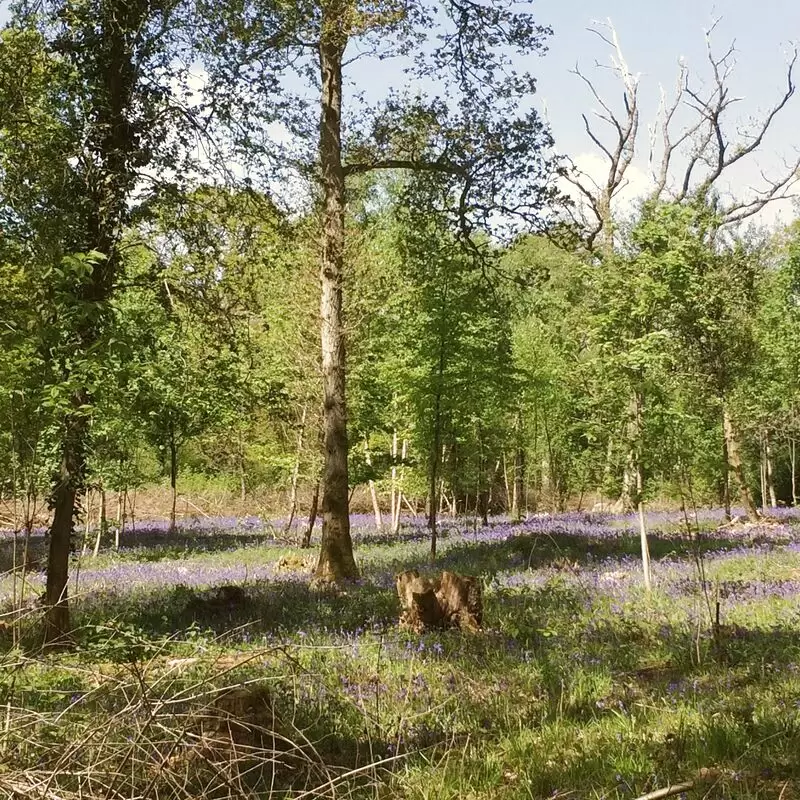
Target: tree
point(711, 148)
point(480, 139)
point(88, 117)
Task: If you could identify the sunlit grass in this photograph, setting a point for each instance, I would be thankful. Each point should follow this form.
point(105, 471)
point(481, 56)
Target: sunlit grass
point(582, 684)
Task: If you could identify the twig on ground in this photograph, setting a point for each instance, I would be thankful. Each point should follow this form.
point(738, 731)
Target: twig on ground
point(196, 508)
point(668, 791)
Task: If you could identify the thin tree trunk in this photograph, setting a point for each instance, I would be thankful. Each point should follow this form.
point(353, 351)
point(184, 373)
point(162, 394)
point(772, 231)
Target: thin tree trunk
point(122, 497)
point(726, 479)
point(173, 477)
point(637, 444)
point(111, 139)
point(104, 516)
point(483, 506)
point(507, 484)
point(793, 458)
point(398, 508)
point(296, 470)
point(435, 456)
point(768, 472)
point(436, 450)
point(87, 520)
point(312, 517)
point(395, 498)
point(336, 561)
point(735, 459)
point(98, 538)
point(519, 472)
point(132, 506)
point(626, 501)
point(376, 508)
point(643, 528)
point(240, 459)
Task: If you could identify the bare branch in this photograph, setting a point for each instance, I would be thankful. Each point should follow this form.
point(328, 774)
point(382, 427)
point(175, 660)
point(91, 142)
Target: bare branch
point(779, 189)
point(620, 154)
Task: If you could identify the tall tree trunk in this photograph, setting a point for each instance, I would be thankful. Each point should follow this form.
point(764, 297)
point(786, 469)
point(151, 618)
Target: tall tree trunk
point(436, 450)
point(63, 502)
point(121, 498)
point(793, 459)
point(637, 444)
point(726, 479)
point(519, 473)
point(296, 470)
point(483, 506)
point(518, 496)
point(336, 561)
point(173, 476)
point(645, 547)
point(396, 516)
point(768, 473)
point(87, 520)
point(395, 498)
point(376, 508)
point(241, 465)
point(506, 485)
point(434, 480)
point(735, 458)
point(104, 515)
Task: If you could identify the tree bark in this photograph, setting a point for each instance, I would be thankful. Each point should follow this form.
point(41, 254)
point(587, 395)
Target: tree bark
point(376, 508)
point(87, 519)
point(336, 561)
point(768, 473)
point(173, 476)
point(68, 484)
point(793, 459)
point(636, 458)
point(240, 459)
point(735, 458)
point(395, 498)
point(396, 516)
point(726, 479)
point(436, 450)
point(433, 484)
point(519, 474)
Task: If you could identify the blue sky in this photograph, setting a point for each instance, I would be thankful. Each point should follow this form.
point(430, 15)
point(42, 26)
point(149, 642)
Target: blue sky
point(654, 34)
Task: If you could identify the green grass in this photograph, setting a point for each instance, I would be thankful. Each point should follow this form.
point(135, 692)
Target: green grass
point(581, 686)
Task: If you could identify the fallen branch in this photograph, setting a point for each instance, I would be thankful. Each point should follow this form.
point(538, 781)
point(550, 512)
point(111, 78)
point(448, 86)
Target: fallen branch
point(668, 791)
point(196, 508)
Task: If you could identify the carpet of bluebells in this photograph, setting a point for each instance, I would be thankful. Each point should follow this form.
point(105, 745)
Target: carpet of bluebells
point(583, 684)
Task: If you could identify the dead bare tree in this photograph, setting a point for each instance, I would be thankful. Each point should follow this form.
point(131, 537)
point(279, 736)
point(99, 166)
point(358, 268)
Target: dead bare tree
point(706, 142)
point(620, 152)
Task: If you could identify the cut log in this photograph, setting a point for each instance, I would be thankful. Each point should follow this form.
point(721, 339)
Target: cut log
point(448, 601)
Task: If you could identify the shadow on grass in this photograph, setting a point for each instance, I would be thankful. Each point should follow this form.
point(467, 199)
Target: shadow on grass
point(146, 544)
point(534, 551)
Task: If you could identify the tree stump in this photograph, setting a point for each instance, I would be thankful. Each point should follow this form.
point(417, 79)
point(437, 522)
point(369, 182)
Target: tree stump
point(448, 601)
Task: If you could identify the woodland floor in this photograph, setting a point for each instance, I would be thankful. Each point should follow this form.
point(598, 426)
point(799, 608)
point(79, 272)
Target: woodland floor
point(582, 685)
